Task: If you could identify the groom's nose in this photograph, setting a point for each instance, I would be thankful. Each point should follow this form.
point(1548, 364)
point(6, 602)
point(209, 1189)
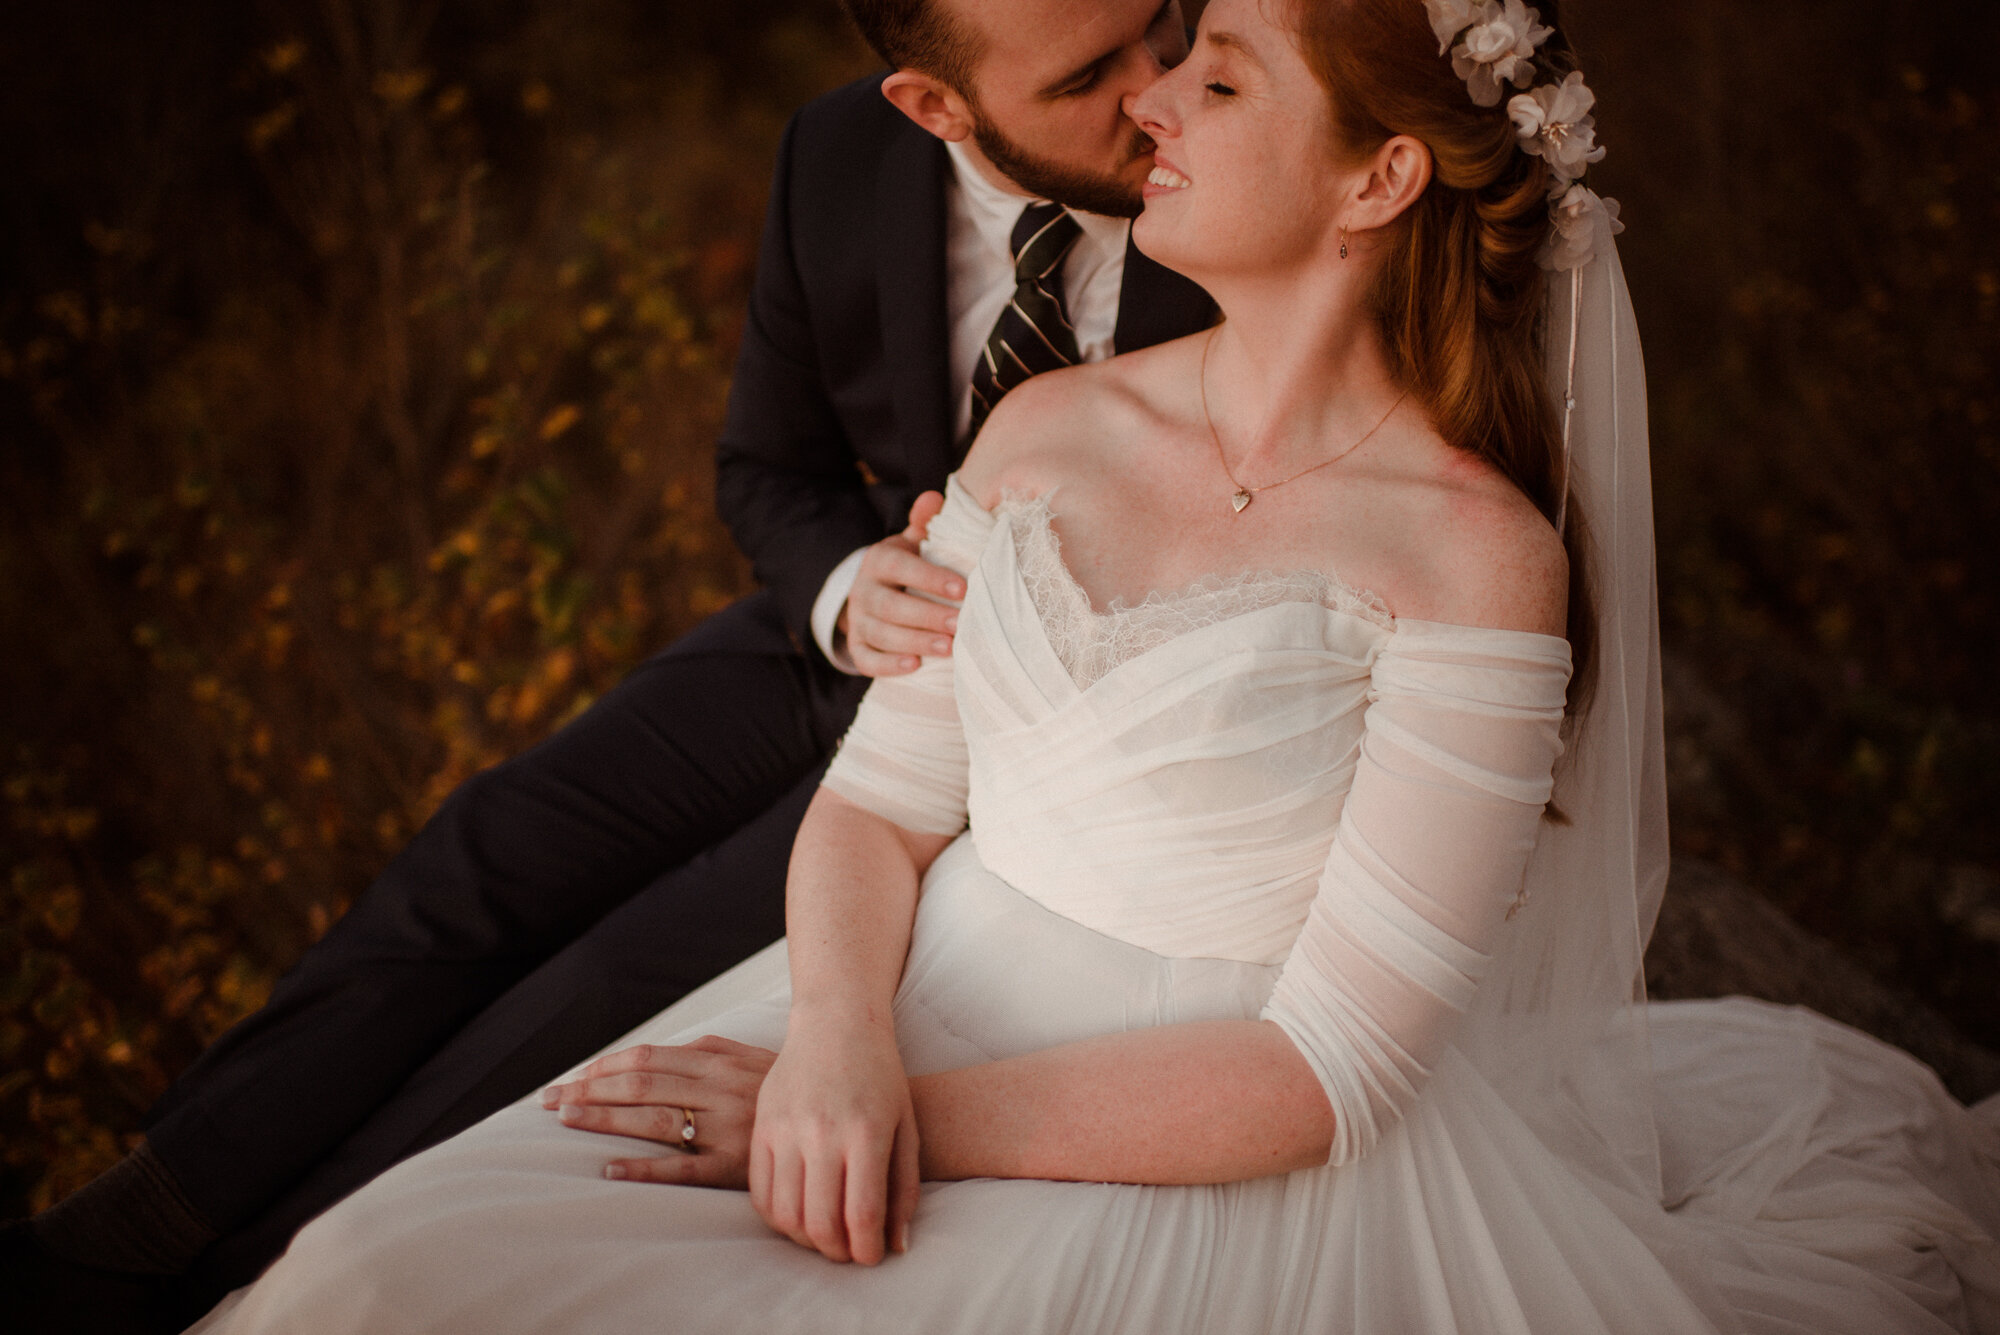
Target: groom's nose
point(1138, 68)
point(1169, 38)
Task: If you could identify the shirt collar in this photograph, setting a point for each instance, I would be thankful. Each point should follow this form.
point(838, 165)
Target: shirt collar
point(995, 211)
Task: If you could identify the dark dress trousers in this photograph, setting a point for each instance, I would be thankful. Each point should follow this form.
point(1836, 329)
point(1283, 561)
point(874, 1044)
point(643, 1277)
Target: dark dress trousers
point(560, 898)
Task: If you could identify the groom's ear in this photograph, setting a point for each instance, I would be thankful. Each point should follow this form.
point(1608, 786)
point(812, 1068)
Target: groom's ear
point(937, 107)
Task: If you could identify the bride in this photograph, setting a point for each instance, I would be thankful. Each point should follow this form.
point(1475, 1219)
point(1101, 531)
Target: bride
point(1268, 989)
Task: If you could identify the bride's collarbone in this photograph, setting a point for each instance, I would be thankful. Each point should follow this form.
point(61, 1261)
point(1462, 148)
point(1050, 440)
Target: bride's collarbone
point(1124, 545)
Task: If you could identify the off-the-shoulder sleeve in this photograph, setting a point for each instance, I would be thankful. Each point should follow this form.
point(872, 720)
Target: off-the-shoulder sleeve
point(904, 757)
point(1460, 741)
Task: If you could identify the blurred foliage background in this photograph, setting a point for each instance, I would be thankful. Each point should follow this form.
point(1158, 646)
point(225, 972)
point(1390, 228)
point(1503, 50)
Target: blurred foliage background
point(360, 362)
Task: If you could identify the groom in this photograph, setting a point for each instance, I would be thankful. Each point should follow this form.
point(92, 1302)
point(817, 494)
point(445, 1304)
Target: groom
point(909, 275)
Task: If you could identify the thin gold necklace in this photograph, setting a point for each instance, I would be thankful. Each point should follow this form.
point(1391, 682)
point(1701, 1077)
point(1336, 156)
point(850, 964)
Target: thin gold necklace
point(1244, 495)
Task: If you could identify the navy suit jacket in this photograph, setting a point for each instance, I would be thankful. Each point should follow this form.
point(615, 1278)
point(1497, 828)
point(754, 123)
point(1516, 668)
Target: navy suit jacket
point(840, 412)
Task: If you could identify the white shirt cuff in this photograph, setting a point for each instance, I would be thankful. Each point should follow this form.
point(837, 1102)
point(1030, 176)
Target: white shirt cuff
point(826, 611)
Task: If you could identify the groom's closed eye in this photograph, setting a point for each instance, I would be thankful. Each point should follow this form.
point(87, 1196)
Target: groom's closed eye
point(1079, 80)
point(1085, 83)
point(1085, 77)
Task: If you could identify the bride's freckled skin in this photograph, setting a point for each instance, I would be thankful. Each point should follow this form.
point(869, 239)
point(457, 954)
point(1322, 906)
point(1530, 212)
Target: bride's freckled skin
point(1253, 194)
point(1243, 120)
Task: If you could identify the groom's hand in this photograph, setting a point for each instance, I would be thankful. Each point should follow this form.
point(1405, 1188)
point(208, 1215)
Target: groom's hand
point(887, 627)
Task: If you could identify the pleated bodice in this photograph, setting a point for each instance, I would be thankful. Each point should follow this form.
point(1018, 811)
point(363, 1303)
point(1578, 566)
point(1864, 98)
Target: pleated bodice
point(1099, 799)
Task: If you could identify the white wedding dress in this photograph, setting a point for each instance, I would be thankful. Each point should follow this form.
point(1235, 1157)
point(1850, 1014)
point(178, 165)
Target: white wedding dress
point(1162, 831)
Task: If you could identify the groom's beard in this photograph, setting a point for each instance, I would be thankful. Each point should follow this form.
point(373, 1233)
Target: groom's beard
point(1071, 187)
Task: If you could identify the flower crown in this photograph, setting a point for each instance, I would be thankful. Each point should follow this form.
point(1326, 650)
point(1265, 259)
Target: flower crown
point(1492, 44)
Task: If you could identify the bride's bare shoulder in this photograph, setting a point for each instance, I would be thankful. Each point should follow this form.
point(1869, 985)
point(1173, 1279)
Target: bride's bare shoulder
point(1476, 551)
point(1061, 424)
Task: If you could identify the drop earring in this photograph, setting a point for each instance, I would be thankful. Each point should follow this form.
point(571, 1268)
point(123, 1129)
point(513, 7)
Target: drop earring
point(1343, 243)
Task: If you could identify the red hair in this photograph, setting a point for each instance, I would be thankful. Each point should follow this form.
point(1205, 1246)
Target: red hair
point(1461, 294)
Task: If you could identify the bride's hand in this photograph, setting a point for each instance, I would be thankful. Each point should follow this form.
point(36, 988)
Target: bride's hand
point(649, 1092)
point(833, 1159)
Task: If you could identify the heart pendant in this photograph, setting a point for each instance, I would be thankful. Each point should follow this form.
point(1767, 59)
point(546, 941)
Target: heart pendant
point(1239, 500)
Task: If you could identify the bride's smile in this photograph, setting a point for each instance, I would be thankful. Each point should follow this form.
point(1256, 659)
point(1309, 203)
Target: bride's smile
point(1244, 137)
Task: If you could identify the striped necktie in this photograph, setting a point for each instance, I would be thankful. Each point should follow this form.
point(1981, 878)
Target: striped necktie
point(1034, 333)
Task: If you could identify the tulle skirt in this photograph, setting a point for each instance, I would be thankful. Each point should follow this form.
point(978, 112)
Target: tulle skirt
point(1815, 1181)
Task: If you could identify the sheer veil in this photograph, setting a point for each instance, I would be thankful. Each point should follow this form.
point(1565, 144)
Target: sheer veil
point(1559, 1027)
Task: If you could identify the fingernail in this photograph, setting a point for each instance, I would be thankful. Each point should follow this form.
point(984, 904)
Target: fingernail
point(957, 589)
point(615, 1171)
point(951, 623)
point(903, 1238)
point(940, 646)
point(552, 1096)
point(570, 1112)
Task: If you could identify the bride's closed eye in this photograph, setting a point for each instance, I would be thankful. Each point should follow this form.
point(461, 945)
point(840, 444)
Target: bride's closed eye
point(1219, 88)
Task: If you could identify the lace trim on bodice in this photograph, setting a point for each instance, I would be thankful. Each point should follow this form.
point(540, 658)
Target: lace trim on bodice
point(1090, 643)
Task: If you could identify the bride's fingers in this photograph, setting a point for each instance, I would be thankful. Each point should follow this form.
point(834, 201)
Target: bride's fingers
point(680, 1170)
point(679, 1060)
point(729, 1047)
point(687, 1063)
point(905, 1183)
point(782, 1209)
point(867, 1200)
point(825, 1205)
point(637, 1087)
point(760, 1178)
point(687, 1075)
point(641, 1123)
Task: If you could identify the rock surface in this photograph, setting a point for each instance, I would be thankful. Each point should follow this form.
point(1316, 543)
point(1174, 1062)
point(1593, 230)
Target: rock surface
point(1717, 937)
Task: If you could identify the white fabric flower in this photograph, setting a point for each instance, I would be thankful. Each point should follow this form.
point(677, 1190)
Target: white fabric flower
point(1554, 123)
point(1449, 18)
point(1582, 225)
point(1499, 49)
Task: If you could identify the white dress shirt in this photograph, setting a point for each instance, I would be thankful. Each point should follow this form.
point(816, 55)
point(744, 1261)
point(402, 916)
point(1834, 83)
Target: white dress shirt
point(979, 282)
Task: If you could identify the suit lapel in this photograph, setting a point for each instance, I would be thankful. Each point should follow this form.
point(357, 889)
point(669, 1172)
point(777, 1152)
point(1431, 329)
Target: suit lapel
point(1156, 304)
point(910, 269)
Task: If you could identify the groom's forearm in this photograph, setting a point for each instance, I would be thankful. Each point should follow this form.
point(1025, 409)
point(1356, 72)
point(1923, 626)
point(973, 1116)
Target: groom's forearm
point(1220, 1101)
point(796, 528)
point(788, 483)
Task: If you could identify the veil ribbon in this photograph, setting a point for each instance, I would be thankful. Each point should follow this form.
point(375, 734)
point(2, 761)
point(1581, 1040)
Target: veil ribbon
point(1559, 1027)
